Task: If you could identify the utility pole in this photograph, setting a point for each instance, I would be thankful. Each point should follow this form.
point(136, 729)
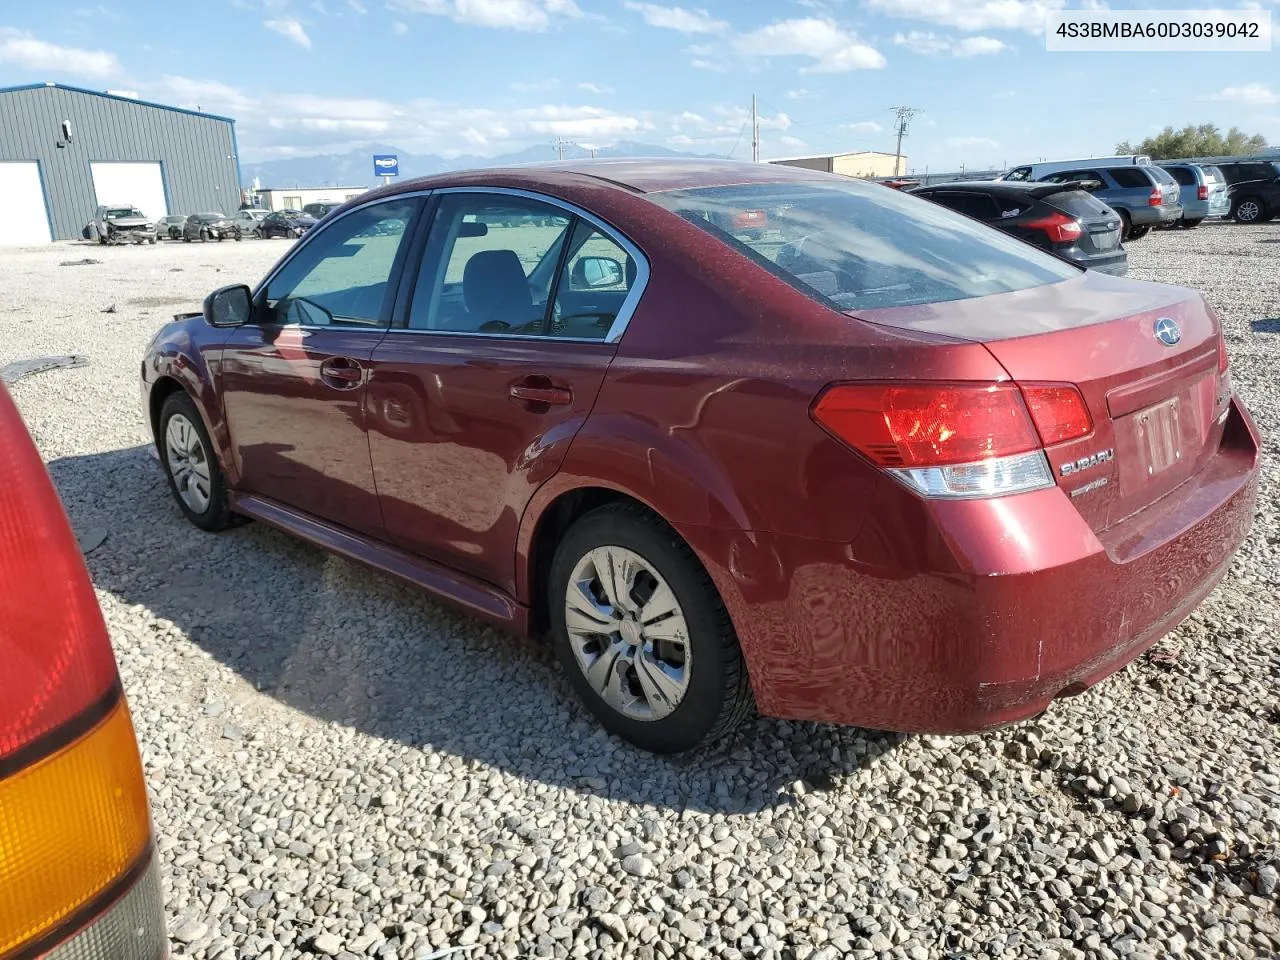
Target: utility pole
point(904, 118)
point(755, 132)
point(561, 143)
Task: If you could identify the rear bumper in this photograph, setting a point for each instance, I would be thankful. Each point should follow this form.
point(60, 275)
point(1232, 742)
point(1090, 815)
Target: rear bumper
point(1200, 209)
point(1145, 216)
point(1116, 264)
point(996, 608)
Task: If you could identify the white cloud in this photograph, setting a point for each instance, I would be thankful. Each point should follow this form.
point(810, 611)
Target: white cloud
point(24, 50)
point(526, 15)
point(919, 41)
point(1254, 94)
point(400, 28)
point(831, 48)
point(1028, 15)
point(864, 126)
point(579, 122)
point(928, 43)
point(678, 18)
point(978, 47)
point(597, 88)
point(972, 143)
point(357, 6)
point(789, 141)
point(290, 30)
point(798, 94)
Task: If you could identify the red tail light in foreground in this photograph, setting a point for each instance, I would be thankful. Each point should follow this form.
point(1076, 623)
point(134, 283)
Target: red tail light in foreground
point(1156, 198)
point(1058, 227)
point(956, 439)
point(74, 821)
point(1202, 193)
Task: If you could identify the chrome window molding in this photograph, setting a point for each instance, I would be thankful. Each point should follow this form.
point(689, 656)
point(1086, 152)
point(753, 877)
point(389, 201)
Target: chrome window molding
point(616, 329)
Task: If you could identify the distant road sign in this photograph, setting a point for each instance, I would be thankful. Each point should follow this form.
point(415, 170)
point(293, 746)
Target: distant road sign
point(386, 166)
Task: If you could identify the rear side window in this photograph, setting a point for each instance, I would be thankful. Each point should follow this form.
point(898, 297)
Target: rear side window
point(1213, 174)
point(1068, 176)
point(1162, 175)
point(1130, 176)
point(1237, 172)
point(976, 205)
point(1077, 203)
point(1184, 175)
point(856, 245)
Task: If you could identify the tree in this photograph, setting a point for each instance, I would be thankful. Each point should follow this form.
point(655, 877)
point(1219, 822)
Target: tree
point(1202, 141)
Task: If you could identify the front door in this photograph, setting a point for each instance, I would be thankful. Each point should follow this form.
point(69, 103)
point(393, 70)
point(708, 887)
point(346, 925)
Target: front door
point(294, 382)
point(475, 397)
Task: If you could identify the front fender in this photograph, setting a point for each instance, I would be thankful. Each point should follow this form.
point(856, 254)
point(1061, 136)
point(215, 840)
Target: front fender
point(180, 355)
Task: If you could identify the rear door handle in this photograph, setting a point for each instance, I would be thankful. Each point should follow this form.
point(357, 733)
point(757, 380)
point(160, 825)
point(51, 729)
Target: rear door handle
point(529, 393)
point(341, 373)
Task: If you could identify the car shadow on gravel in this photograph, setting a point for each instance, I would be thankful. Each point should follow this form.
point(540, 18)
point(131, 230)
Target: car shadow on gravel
point(348, 645)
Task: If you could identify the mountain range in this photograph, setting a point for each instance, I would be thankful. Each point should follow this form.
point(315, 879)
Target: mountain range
point(356, 168)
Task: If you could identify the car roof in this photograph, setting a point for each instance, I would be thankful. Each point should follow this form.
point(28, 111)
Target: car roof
point(1008, 188)
point(635, 174)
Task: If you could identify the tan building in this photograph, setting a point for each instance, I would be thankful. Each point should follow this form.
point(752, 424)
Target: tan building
point(868, 163)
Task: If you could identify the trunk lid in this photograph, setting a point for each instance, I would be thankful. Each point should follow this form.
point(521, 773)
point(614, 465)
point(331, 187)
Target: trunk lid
point(1156, 406)
point(1099, 224)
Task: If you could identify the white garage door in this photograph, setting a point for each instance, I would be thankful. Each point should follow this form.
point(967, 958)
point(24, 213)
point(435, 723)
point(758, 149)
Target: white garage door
point(24, 219)
point(139, 184)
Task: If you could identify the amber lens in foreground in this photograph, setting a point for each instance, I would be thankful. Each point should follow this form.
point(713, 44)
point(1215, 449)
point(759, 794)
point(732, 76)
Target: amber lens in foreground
point(70, 826)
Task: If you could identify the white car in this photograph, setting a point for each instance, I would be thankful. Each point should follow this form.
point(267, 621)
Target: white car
point(248, 220)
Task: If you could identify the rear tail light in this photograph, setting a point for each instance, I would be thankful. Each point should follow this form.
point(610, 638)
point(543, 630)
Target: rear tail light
point(1156, 198)
point(1059, 227)
point(74, 822)
point(1202, 192)
point(1222, 353)
point(956, 439)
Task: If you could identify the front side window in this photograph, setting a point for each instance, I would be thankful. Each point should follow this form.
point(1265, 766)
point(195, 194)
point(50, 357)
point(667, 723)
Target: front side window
point(856, 245)
point(341, 277)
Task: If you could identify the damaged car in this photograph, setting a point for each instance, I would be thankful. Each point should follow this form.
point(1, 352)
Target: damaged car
point(120, 224)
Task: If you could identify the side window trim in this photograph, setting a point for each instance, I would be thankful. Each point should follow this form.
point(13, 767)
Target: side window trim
point(400, 319)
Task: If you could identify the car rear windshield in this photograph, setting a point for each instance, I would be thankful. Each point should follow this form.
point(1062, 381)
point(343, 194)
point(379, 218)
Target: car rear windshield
point(858, 245)
point(1185, 176)
point(1213, 173)
point(1077, 203)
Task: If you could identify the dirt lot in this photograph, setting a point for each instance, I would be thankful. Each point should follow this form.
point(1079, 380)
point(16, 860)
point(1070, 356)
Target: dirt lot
point(339, 766)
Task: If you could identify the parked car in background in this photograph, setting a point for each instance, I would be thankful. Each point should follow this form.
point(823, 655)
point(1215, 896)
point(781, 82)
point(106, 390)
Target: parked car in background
point(319, 211)
point(1253, 187)
point(209, 226)
point(121, 224)
point(1058, 217)
point(247, 221)
point(78, 870)
point(1042, 168)
point(285, 223)
point(1202, 191)
point(860, 470)
point(170, 227)
point(1143, 195)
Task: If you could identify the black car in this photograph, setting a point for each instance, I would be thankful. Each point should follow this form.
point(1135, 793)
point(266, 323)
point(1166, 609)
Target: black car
point(285, 223)
point(320, 210)
point(1058, 217)
point(1253, 186)
point(209, 226)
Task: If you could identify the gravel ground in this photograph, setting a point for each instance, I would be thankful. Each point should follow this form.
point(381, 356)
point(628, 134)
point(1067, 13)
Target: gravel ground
point(339, 766)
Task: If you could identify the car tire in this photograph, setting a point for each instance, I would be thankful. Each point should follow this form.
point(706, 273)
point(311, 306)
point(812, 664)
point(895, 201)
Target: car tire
point(709, 685)
point(1193, 223)
point(1137, 233)
point(1248, 210)
point(185, 238)
point(151, 240)
point(184, 447)
point(1126, 225)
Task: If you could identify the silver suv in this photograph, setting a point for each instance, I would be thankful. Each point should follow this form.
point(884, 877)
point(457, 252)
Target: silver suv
point(120, 223)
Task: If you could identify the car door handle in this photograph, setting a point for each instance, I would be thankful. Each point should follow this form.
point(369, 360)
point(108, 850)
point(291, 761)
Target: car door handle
point(341, 373)
point(541, 393)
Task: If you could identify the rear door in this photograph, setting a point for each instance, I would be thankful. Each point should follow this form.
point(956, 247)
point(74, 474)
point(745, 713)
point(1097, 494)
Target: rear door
point(490, 371)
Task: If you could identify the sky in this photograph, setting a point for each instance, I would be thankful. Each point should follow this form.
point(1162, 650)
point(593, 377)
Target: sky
point(304, 77)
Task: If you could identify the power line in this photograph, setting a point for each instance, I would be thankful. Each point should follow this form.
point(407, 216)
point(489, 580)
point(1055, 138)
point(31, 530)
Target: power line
point(904, 119)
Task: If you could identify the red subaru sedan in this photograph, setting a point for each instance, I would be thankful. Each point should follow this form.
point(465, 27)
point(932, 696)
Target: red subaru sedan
point(873, 464)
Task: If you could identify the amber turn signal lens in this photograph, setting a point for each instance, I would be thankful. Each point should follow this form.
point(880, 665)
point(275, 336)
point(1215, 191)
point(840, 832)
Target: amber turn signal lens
point(70, 826)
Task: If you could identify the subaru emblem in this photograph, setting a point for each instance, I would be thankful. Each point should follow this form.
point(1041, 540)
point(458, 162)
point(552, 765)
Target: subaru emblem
point(1167, 331)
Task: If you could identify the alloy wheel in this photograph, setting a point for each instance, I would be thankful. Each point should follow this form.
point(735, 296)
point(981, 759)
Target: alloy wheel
point(628, 633)
point(188, 463)
point(1248, 211)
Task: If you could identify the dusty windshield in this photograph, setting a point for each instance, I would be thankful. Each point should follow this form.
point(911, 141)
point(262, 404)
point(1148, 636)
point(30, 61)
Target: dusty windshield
point(861, 245)
point(119, 213)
